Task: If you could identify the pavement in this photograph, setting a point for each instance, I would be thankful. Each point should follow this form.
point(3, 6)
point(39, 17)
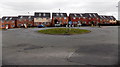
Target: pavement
point(28, 47)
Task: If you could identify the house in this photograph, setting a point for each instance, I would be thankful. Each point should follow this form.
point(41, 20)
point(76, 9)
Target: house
point(8, 21)
point(59, 19)
point(76, 18)
point(24, 20)
point(92, 18)
point(112, 19)
point(84, 18)
point(105, 19)
point(42, 18)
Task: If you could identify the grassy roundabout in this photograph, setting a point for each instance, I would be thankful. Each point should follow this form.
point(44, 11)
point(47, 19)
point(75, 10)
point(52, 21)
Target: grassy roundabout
point(64, 31)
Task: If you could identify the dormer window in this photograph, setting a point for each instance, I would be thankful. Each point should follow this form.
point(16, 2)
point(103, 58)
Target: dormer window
point(75, 15)
point(11, 18)
point(65, 18)
point(44, 14)
point(57, 14)
point(90, 15)
point(6, 18)
point(74, 18)
point(21, 17)
point(40, 14)
point(61, 14)
point(29, 17)
point(81, 15)
point(94, 15)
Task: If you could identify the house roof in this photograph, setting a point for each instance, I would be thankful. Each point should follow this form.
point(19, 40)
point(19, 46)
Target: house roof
point(9, 18)
point(88, 15)
point(91, 15)
point(42, 14)
point(107, 17)
point(76, 15)
point(59, 14)
point(25, 17)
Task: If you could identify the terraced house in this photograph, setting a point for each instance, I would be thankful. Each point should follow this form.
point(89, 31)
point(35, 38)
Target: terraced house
point(25, 21)
point(92, 18)
point(59, 19)
point(42, 18)
point(107, 19)
point(77, 18)
point(84, 18)
point(112, 20)
point(8, 22)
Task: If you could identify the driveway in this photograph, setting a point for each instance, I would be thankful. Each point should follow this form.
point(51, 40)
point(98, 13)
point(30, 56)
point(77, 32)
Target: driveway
point(28, 47)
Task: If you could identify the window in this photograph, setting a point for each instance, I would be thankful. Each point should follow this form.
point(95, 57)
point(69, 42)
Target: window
point(65, 18)
point(44, 14)
point(57, 14)
point(29, 17)
point(89, 22)
point(75, 15)
point(19, 24)
point(6, 18)
point(84, 17)
point(13, 21)
point(12, 25)
point(40, 14)
point(11, 18)
point(74, 18)
point(3, 25)
point(94, 15)
point(90, 15)
point(21, 17)
point(61, 14)
point(81, 15)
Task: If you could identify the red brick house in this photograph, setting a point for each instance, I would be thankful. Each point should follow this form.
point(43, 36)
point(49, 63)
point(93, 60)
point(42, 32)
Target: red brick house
point(75, 18)
point(42, 18)
point(8, 21)
point(104, 19)
point(59, 19)
point(92, 18)
point(84, 18)
point(111, 19)
point(25, 20)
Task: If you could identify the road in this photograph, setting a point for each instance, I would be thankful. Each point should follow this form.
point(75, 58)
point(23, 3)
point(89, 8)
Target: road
point(28, 47)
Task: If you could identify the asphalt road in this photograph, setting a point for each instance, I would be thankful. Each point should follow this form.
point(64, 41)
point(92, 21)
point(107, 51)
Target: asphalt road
point(27, 47)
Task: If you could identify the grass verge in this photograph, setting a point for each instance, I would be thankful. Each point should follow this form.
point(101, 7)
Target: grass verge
point(64, 31)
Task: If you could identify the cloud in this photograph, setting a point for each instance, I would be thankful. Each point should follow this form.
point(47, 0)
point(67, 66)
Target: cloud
point(16, 7)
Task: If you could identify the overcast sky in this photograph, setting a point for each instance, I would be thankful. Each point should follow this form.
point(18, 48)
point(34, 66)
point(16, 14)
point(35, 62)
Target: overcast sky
point(22, 7)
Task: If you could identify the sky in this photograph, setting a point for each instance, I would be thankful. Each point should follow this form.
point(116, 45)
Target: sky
point(22, 7)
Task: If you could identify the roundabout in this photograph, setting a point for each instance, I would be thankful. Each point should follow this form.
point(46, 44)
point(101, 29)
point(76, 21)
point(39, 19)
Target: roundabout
point(64, 31)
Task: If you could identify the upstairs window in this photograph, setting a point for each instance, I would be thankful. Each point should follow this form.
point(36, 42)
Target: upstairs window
point(40, 14)
point(57, 14)
point(74, 18)
point(29, 17)
point(65, 18)
point(90, 15)
point(13, 21)
point(6, 18)
point(11, 18)
point(21, 17)
point(3, 25)
point(44, 14)
point(61, 14)
point(75, 15)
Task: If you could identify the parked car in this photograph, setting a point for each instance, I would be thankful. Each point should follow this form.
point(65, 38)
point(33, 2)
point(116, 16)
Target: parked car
point(40, 26)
